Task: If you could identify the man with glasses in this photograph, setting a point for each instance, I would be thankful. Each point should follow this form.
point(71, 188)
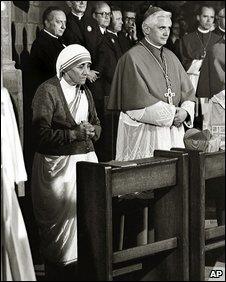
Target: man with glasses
point(101, 13)
point(128, 36)
point(112, 46)
point(110, 23)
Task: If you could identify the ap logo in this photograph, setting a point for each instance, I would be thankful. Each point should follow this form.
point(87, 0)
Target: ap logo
point(217, 274)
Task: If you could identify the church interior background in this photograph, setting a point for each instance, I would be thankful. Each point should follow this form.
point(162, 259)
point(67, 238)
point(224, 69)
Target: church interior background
point(21, 22)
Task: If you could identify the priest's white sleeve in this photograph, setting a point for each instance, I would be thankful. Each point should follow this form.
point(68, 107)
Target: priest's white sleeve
point(159, 114)
point(190, 108)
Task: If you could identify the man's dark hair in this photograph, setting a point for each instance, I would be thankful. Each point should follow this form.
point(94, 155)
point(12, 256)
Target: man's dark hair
point(200, 8)
point(115, 8)
point(130, 8)
point(48, 11)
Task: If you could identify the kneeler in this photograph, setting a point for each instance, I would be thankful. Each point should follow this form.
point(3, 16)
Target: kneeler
point(116, 199)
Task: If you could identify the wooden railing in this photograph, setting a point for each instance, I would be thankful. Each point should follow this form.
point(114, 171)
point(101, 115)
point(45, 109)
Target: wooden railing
point(166, 174)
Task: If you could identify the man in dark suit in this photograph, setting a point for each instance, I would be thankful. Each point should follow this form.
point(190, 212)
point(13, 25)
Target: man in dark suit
point(101, 12)
point(128, 36)
point(83, 29)
point(112, 46)
point(112, 52)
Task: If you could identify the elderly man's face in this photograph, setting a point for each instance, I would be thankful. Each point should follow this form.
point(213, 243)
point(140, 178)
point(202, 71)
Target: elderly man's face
point(103, 15)
point(56, 23)
point(159, 32)
point(78, 6)
point(206, 18)
point(116, 22)
point(77, 74)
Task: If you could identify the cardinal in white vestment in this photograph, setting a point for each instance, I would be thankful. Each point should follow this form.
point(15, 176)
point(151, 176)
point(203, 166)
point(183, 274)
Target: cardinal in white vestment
point(153, 93)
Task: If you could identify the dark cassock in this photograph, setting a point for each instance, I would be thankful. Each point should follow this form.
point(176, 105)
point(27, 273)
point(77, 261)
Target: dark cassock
point(193, 49)
point(214, 91)
point(213, 71)
point(219, 31)
point(148, 102)
point(44, 52)
point(195, 45)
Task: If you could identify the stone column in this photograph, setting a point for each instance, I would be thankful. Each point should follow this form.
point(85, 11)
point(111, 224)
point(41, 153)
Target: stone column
point(12, 77)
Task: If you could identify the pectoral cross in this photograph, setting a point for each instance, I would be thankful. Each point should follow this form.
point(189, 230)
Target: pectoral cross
point(204, 54)
point(169, 94)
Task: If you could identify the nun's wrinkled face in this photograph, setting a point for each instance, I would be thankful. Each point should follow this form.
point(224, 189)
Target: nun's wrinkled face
point(77, 74)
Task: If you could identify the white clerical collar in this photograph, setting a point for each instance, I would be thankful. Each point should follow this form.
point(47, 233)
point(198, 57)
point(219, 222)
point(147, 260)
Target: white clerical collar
point(79, 16)
point(223, 30)
point(50, 33)
point(203, 31)
point(115, 33)
point(102, 30)
point(159, 47)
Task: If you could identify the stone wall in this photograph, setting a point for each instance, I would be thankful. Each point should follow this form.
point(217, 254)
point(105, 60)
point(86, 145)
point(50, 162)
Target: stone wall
point(25, 25)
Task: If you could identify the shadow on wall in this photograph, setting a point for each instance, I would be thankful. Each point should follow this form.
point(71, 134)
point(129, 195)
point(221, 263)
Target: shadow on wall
point(37, 31)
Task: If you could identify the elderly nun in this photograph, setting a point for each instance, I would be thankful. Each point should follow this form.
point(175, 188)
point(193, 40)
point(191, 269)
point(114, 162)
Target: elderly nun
point(65, 125)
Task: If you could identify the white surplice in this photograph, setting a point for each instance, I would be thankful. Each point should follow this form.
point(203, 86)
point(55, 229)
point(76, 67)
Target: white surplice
point(140, 132)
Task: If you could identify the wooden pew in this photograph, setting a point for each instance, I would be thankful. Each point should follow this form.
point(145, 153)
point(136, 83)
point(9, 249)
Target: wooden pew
point(202, 167)
point(164, 259)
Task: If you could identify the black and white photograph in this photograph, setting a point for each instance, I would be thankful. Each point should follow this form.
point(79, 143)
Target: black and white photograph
point(112, 140)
